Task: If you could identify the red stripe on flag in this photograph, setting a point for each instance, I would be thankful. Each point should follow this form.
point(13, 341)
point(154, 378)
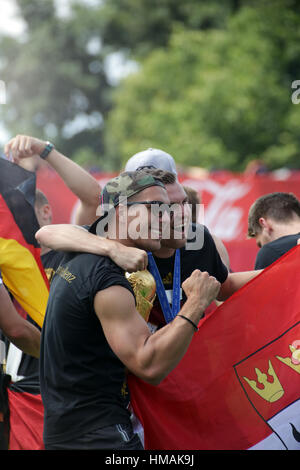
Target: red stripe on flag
point(26, 421)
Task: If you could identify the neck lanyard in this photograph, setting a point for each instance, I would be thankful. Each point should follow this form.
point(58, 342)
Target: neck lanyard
point(169, 313)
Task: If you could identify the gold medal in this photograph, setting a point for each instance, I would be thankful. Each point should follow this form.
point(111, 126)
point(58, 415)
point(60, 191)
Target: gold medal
point(144, 287)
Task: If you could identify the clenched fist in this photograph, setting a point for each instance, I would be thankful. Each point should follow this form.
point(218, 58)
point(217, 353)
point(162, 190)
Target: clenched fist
point(201, 287)
point(23, 146)
point(128, 258)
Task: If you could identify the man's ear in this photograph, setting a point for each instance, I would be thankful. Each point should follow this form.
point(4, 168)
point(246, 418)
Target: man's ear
point(47, 213)
point(266, 224)
point(263, 223)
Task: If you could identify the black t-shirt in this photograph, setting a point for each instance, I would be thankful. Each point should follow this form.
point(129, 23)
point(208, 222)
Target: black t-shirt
point(83, 383)
point(29, 365)
point(51, 260)
point(206, 258)
point(270, 252)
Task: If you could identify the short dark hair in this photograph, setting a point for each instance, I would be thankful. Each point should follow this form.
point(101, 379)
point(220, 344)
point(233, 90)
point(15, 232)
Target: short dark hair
point(40, 198)
point(281, 207)
point(166, 177)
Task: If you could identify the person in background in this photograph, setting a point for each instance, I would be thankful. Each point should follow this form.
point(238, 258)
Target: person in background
point(152, 158)
point(274, 222)
point(195, 201)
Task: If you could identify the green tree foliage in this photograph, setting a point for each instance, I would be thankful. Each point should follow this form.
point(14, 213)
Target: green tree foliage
point(139, 26)
point(213, 85)
point(55, 76)
point(217, 97)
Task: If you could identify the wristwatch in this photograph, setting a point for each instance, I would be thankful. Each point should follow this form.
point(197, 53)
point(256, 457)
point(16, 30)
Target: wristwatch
point(47, 150)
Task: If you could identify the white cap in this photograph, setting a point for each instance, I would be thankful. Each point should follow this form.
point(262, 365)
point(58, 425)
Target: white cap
point(154, 158)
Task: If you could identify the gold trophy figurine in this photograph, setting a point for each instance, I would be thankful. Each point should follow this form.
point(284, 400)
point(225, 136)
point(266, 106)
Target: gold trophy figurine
point(144, 287)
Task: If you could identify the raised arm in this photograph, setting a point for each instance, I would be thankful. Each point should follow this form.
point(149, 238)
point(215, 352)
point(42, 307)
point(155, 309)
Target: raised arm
point(152, 357)
point(66, 237)
point(18, 330)
point(78, 180)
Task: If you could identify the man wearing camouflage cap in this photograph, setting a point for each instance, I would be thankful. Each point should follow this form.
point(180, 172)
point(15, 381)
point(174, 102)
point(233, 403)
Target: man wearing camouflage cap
point(93, 332)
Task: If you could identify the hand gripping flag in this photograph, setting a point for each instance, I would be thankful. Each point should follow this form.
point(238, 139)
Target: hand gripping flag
point(238, 386)
point(20, 262)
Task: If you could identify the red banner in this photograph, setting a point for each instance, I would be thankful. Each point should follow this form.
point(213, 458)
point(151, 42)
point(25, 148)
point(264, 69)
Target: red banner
point(226, 196)
point(238, 386)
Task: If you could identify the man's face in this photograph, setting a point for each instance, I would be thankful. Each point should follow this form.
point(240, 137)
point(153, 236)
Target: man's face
point(263, 238)
point(179, 218)
point(145, 220)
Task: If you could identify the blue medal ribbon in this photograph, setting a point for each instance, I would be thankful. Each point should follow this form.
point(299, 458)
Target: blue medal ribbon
point(169, 313)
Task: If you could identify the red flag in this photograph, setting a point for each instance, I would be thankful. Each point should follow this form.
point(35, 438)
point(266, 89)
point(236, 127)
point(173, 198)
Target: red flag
point(27, 419)
point(238, 386)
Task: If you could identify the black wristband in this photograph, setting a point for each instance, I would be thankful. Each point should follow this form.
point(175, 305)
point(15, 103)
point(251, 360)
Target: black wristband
point(46, 150)
point(190, 321)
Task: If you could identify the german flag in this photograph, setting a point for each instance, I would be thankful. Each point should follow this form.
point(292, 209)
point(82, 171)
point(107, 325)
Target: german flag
point(20, 261)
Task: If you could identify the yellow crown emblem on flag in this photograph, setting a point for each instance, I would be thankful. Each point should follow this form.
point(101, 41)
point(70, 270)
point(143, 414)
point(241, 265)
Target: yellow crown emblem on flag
point(271, 391)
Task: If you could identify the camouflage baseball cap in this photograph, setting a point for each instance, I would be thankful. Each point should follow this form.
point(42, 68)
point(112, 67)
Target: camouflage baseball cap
point(121, 188)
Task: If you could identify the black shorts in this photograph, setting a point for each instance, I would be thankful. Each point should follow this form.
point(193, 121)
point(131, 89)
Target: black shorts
point(117, 437)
